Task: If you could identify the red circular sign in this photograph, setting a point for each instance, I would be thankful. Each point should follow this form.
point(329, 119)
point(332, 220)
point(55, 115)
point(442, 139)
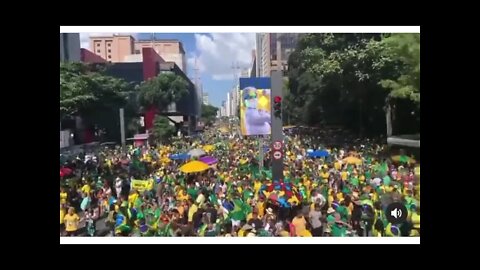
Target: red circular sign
point(277, 155)
point(277, 145)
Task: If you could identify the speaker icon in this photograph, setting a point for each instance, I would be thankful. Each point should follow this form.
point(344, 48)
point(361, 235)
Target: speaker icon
point(396, 213)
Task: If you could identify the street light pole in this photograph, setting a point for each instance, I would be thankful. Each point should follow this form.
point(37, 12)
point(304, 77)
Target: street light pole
point(122, 126)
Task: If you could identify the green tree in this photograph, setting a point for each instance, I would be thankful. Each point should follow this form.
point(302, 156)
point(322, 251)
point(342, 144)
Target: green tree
point(161, 91)
point(335, 78)
point(162, 130)
point(209, 114)
point(405, 48)
point(87, 92)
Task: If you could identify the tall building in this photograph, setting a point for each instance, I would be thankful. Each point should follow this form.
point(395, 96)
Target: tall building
point(266, 47)
point(234, 95)
point(70, 47)
point(124, 48)
point(228, 105)
point(112, 48)
point(223, 109)
point(205, 98)
point(170, 50)
point(258, 54)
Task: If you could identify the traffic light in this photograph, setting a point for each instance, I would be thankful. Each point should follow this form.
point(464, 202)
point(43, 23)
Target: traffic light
point(277, 106)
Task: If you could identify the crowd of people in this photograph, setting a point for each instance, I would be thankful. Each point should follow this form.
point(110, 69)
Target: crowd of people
point(342, 193)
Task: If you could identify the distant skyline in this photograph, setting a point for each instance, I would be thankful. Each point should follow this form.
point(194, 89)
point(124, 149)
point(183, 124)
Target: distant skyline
point(215, 52)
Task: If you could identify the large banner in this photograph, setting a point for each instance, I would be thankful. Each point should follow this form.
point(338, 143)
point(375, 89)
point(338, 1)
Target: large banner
point(255, 106)
point(142, 185)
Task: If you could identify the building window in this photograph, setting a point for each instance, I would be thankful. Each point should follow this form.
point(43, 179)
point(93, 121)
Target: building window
point(109, 44)
point(98, 51)
point(137, 51)
point(109, 56)
point(109, 50)
point(98, 44)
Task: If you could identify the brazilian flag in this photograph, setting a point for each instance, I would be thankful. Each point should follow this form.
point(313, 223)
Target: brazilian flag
point(239, 211)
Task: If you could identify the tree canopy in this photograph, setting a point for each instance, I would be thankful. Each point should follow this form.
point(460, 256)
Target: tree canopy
point(87, 92)
point(85, 89)
point(162, 130)
point(406, 48)
point(162, 90)
point(342, 78)
point(209, 113)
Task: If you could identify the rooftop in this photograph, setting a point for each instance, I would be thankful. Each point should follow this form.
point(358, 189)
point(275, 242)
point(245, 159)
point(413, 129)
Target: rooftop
point(111, 36)
point(163, 41)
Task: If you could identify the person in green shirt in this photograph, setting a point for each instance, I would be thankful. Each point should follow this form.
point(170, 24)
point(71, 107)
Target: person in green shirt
point(192, 192)
point(354, 181)
point(368, 175)
point(387, 180)
point(343, 211)
point(339, 227)
point(330, 220)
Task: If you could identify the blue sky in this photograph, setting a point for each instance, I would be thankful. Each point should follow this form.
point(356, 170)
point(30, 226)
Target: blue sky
point(215, 52)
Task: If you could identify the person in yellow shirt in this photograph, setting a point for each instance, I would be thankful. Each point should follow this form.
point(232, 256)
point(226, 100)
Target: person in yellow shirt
point(63, 211)
point(325, 175)
point(72, 221)
point(300, 224)
point(361, 178)
point(63, 196)
point(415, 220)
point(132, 197)
point(86, 188)
point(261, 208)
point(191, 211)
point(337, 165)
point(256, 187)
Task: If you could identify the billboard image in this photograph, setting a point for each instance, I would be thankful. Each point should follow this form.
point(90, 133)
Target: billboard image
point(255, 111)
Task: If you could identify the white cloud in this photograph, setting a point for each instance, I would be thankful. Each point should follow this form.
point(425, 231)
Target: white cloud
point(85, 38)
point(218, 51)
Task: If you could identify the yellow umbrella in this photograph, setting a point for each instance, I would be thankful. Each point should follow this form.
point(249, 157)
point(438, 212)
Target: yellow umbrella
point(208, 148)
point(194, 166)
point(352, 160)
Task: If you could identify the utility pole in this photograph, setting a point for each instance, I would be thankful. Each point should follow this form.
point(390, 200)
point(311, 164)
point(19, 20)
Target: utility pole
point(198, 89)
point(277, 125)
point(122, 126)
point(153, 41)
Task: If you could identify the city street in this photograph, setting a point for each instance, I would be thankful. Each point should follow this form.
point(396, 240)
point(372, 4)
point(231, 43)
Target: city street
point(241, 134)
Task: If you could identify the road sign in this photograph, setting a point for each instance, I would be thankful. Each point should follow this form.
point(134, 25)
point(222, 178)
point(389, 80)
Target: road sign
point(277, 155)
point(277, 145)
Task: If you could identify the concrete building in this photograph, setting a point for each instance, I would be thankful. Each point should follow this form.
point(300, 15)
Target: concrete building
point(253, 68)
point(266, 47)
point(184, 114)
point(228, 106)
point(223, 109)
point(258, 54)
point(234, 95)
point(124, 48)
point(70, 47)
point(112, 48)
point(170, 50)
point(205, 98)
